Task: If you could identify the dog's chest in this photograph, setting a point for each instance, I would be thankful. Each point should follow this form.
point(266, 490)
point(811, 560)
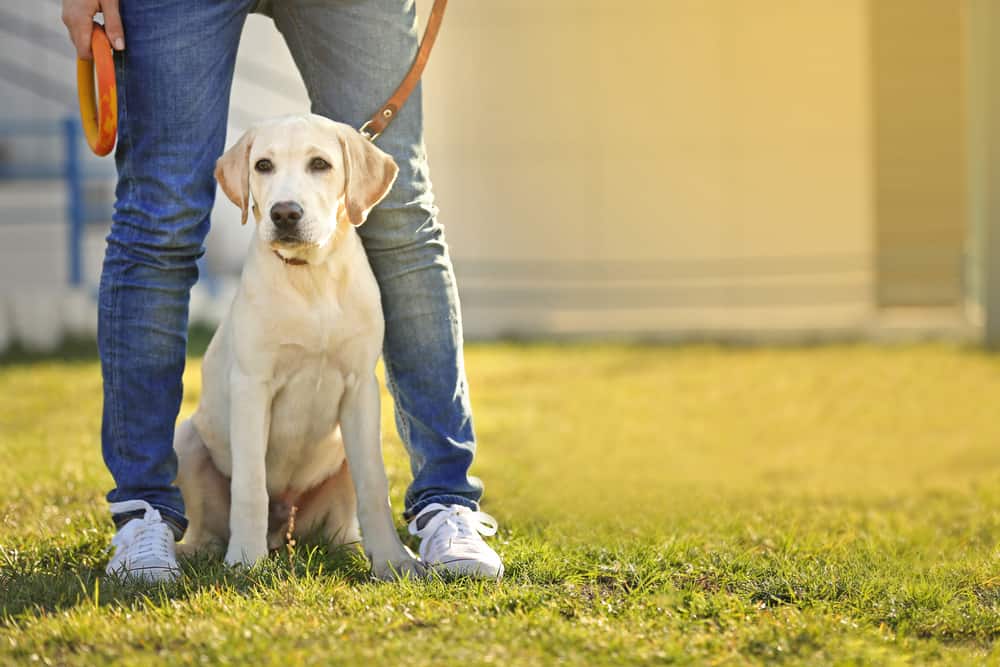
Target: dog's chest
point(317, 365)
point(309, 391)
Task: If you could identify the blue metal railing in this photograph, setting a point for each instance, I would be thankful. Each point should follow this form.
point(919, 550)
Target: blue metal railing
point(74, 202)
point(77, 174)
point(32, 30)
point(72, 171)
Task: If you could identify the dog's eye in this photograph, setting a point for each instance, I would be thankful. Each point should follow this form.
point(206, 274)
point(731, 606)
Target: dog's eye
point(264, 166)
point(318, 164)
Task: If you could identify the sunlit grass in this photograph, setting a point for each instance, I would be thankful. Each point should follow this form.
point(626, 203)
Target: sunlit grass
point(657, 504)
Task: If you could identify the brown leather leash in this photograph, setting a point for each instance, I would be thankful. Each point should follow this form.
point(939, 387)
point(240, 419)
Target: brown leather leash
point(376, 125)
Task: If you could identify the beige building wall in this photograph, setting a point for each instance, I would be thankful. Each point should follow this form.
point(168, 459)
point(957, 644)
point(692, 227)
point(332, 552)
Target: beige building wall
point(672, 167)
point(920, 109)
point(662, 166)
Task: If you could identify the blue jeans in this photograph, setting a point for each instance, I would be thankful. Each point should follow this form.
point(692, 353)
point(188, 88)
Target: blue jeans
point(174, 81)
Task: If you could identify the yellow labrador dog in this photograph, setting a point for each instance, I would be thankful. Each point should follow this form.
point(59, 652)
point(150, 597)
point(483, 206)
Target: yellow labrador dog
point(289, 411)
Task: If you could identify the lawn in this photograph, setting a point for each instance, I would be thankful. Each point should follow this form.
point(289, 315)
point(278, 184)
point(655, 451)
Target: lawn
point(709, 505)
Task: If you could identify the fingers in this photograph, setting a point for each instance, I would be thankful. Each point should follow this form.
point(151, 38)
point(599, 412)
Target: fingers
point(78, 16)
point(79, 22)
point(113, 24)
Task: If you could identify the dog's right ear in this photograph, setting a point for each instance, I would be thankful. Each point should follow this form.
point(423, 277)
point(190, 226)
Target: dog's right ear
point(232, 171)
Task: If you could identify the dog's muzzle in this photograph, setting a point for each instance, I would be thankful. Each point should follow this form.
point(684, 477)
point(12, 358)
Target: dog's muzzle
point(286, 215)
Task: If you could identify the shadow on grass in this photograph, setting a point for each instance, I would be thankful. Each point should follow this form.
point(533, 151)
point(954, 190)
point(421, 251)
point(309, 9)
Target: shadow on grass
point(58, 578)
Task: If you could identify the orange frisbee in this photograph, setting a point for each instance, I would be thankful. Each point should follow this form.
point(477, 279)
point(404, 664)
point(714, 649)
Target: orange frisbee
point(99, 112)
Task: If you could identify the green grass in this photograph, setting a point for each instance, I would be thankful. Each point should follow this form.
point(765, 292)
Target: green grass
point(828, 505)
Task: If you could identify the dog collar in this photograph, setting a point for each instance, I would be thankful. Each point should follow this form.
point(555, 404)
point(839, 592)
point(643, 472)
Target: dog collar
point(294, 261)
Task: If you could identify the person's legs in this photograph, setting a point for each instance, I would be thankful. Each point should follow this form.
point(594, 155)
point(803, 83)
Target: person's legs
point(352, 54)
point(173, 99)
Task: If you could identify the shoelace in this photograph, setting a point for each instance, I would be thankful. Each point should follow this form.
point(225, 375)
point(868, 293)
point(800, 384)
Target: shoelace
point(451, 525)
point(150, 535)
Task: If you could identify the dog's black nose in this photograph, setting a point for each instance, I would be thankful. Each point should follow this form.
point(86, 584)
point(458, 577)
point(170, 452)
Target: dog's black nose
point(286, 214)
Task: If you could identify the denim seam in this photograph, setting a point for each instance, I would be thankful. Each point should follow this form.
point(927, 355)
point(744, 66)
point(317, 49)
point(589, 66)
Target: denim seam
point(117, 429)
point(123, 97)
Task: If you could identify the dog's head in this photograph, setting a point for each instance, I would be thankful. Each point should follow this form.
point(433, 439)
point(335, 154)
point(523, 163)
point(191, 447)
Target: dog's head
point(304, 175)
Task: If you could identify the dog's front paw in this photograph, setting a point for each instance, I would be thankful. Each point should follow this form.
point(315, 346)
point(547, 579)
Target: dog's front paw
point(241, 553)
point(400, 566)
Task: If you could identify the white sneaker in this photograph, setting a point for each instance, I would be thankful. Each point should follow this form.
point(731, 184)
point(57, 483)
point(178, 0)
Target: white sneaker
point(450, 541)
point(144, 548)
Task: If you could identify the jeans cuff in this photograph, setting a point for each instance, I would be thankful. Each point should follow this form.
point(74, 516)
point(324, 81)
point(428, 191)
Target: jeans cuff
point(177, 522)
point(412, 511)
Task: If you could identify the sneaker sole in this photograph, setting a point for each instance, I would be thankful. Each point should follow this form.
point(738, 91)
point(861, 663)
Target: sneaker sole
point(149, 574)
point(443, 569)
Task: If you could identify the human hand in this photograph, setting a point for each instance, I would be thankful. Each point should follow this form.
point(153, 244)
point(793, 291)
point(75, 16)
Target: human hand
point(78, 16)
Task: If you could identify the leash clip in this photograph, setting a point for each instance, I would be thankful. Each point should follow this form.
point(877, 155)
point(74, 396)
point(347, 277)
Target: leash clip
point(370, 136)
point(386, 117)
point(388, 111)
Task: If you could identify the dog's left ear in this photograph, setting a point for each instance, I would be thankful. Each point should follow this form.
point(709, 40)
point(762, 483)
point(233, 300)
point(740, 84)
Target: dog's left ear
point(368, 174)
point(232, 171)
